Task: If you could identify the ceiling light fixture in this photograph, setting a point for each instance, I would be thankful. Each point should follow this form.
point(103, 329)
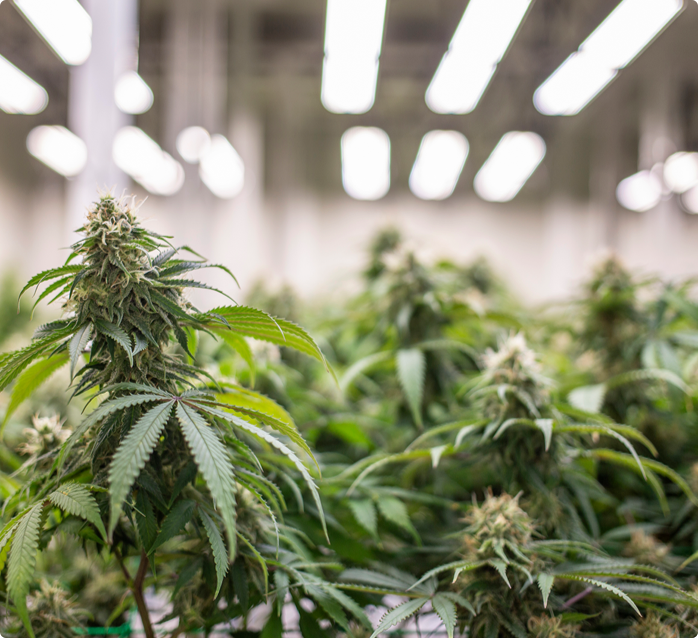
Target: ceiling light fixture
point(353, 41)
point(58, 148)
point(615, 43)
point(509, 166)
point(690, 200)
point(440, 160)
point(63, 24)
point(478, 45)
point(681, 172)
point(640, 192)
point(221, 168)
point(366, 162)
point(132, 95)
point(143, 160)
point(18, 92)
point(192, 143)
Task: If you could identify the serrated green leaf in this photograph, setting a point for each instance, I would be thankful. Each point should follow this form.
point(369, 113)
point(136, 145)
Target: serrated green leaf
point(589, 398)
point(446, 610)
point(411, 368)
point(174, 523)
point(133, 454)
point(105, 409)
point(49, 274)
point(398, 614)
point(545, 584)
point(220, 554)
point(254, 323)
point(364, 512)
point(240, 345)
point(212, 459)
point(31, 379)
point(603, 585)
point(145, 520)
point(117, 334)
point(22, 561)
point(546, 427)
point(279, 445)
point(77, 500)
point(77, 344)
point(395, 511)
point(501, 568)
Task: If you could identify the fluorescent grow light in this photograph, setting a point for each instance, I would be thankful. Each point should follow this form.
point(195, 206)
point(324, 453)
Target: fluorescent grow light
point(192, 143)
point(615, 43)
point(64, 24)
point(221, 168)
point(58, 148)
point(353, 40)
point(690, 200)
point(132, 94)
point(366, 162)
point(439, 163)
point(18, 92)
point(142, 159)
point(681, 171)
point(640, 192)
point(479, 43)
point(511, 163)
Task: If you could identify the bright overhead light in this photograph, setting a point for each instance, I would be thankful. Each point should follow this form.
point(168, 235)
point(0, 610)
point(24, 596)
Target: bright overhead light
point(681, 171)
point(143, 160)
point(615, 43)
point(479, 43)
point(439, 163)
point(18, 92)
point(511, 163)
point(192, 143)
point(353, 40)
point(690, 200)
point(366, 162)
point(64, 24)
point(628, 29)
point(640, 192)
point(572, 86)
point(58, 148)
point(131, 94)
point(222, 169)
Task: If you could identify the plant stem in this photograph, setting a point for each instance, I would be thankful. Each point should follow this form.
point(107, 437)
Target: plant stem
point(137, 589)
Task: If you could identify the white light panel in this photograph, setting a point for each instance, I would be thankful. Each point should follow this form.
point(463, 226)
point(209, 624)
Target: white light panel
point(353, 41)
point(690, 200)
point(509, 166)
point(132, 94)
point(221, 168)
point(615, 43)
point(439, 163)
point(640, 192)
point(479, 43)
point(366, 162)
point(142, 159)
point(64, 24)
point(58, 148)
point(681, 171)
point(18, 92)
point(192, 143)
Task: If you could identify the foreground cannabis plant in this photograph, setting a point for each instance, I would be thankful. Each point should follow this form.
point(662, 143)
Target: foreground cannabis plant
point(168, 453)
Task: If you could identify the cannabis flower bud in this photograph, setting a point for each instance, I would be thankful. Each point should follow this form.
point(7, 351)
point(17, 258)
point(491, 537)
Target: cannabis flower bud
point(653, 627)
point(45, 435)
point(496, 525)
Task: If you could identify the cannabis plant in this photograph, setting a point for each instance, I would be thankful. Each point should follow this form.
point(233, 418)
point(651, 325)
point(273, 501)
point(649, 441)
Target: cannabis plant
point(510, 581)
point(168, 454)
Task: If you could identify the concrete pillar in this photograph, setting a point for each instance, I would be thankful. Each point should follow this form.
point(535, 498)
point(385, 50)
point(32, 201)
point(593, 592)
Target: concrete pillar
point(92, 113)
